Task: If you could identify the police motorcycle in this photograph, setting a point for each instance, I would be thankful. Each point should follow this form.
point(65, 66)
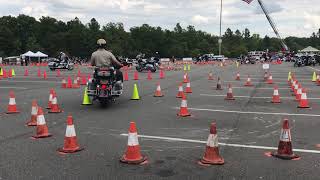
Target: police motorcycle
point(147, 64)
point(63, 62)
point(104, 86)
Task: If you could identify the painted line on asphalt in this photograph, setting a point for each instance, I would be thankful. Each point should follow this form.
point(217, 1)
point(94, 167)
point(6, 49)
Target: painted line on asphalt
point(255, 88)
point(13, 88)
point(221, 144)
point(249, 112)
point(211, 95)
point(314, 68)
point(15, 81)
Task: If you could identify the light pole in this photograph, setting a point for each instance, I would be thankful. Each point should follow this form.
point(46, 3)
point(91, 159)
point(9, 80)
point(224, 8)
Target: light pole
point(220, 37)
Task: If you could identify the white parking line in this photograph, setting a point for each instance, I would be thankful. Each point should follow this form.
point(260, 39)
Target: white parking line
point(211, 95)
point(248, 112)
point(222, 144)
point(314, 68)
point(13, 88)
point(255, 88)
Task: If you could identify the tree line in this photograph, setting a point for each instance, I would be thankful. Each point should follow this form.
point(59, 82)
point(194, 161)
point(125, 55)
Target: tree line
point(49, 35)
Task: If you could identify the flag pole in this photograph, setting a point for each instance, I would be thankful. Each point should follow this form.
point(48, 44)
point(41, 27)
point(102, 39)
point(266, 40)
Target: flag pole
point(220, 37)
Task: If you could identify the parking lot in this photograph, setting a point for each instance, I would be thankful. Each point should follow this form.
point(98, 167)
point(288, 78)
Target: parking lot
point(247, 127)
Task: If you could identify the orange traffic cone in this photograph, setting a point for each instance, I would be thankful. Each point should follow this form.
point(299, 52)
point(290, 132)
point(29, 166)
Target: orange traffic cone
point(210, 76)
point(304, 100)
point(42, 128)
point(39, 72)
point(55, 107)
point(270, 80)
point(180, 91)
point(50, 99)
point(79, 73)
point(238, 77)
point(149, 75)
point(26, 72)
point(248, 83)
point(219, 86)
point(293, 85)
point(229, 94)
point(276, 96)
point(161, 74)
point(158, 92)
point(212, 155)
point(34, 113)
point(318, 80)
point(285, 145)
point(188, 88)
point(69, 85)
point(64, 83)
point(185, 78)
point(70, 139)
point(44, 74)
point(4, 73)
point(296, 87)
point(184, 108)
point(133, 154)
point(12, 106)
point(58, 73)
point(136, 76)
point(299, 93)
point(126, 75)
point(75, 84)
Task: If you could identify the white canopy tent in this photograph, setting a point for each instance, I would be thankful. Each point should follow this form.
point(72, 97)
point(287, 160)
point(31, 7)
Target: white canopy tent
point(28, 54)
point(309, 49)
point(40, 54)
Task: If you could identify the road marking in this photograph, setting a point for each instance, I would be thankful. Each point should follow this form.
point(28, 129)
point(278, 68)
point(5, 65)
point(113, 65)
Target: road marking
point(255, 88)
point(314, 68)
point(211, 95)
point(248, 112)
point(15, 81)
point(221, 144)
point(13, 88)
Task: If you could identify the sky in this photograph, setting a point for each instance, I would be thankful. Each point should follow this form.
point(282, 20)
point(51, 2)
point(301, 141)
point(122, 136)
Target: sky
point(293, 17)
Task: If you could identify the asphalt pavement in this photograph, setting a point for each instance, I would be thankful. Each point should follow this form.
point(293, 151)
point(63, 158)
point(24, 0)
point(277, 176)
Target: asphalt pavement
point(247, 127)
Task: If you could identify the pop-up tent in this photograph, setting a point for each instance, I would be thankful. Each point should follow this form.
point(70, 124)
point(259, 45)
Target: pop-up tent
point(28, 54)
point(309, 49)
point(40, 55)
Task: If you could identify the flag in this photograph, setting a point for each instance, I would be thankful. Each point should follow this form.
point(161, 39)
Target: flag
point(247, 1)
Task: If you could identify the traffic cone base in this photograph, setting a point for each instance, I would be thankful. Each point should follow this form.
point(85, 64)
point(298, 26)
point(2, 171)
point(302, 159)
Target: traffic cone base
point(140, 161)
point(285, 155)
point(215, 157)
point(42, 136)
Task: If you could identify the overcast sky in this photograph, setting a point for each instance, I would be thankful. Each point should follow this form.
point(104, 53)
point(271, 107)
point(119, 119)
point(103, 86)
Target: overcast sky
point(293, 17)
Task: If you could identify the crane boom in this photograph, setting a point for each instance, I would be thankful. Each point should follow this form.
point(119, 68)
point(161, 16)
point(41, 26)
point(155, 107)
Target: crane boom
point(273, 25)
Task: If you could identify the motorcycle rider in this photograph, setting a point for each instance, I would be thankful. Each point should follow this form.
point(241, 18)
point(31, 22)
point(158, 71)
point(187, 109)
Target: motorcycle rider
point(63, 58)
point(103, 58)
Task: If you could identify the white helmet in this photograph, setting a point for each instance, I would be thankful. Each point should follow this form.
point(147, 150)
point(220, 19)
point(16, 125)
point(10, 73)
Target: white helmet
point(101, 42)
